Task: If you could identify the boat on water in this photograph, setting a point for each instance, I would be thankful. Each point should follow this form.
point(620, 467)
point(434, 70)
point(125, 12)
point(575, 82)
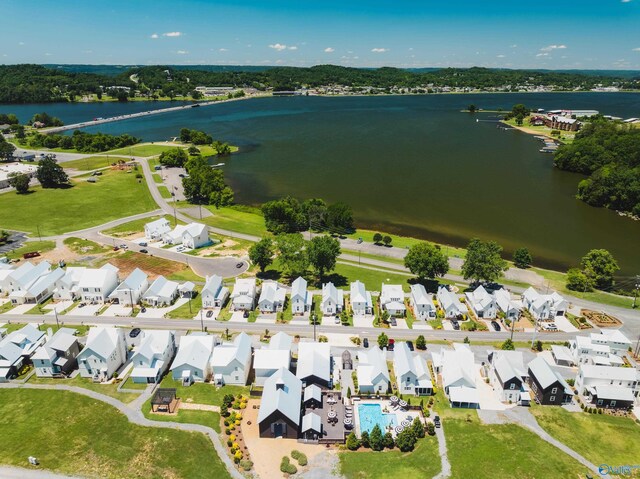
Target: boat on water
point(217, 165)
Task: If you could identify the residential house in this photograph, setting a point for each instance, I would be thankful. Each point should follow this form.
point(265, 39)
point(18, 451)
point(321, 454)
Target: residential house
point(11, 361)
point(155, 230)
point(450, 304)
point(57, 357)
point(613, 397)
point(193, 359)
point(231, 362)
point(412, 375)
point(458, 370)
point(372, 371)
point(33, 285)
point(244, 294)
point(543, 307)
point(272, 297)
point(312, 397)
point(421, 302)
point(269, 359)
point(104, 353)
point(392, 299)
point(130, 291)
point(66, 287)
point(360, 299)
point(187, 290)
point(482, 303)
point(152, 357)
point(280, 411)
point(562, 356)
point(616, 385)
point(17, 348)
point(96, 285)
point(301, 299)
point(547, 385)
point(511, 308)
point(162, 292)
point(311, 427)
point(192, 236)
point(508, 377)
point(5, 271)
point(603, 349)
point(215, 293)
point(314, 363)
point(332, 300)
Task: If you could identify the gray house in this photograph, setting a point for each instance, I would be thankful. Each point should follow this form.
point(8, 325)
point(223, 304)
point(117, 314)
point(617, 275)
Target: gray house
point(57, 357)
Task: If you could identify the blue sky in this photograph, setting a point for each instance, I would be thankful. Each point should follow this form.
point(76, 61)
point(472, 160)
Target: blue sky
point(587, 34)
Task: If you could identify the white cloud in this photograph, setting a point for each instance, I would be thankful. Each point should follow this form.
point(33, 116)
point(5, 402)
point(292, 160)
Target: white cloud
point(553, 47)
point(292, 48)
point(625, 1)
point(47, 54)
point(410, 49)
point(154, 36)
point(501, 56)
point(514, 46)
point(223, 50)
point(172, 34)
point(329, 50)
point(278, 46)
point(636, 49)
point(542, 55)
point(379, 50)
point(182, 52)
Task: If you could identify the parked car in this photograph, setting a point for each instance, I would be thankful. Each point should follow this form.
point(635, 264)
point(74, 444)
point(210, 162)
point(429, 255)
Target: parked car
point(144, 251)
point(181, 175)
point(116, 248)
point(359, 241)
point(246, 314)
point(143, 310)
point(143, 244)
point(209, 314)
point(410, 345)
point(365, 343)
point(455, 324)
point(337, 320)
point(436, 421)
point(239, 265)
point(134, 333)
point(82, 305)
point(552, 327)
point(495, 325)
point(393, 322)
point(391, 345)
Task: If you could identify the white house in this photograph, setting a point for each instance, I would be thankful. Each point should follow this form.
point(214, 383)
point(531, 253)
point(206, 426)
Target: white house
point(231, 362)
point(332, 300)
point(458, 371)
point(192, 236)
point(162, 292)
point(193, 359)
point(214, 294)
point(10, 361)
point(590, 376)
point(450, 303)
point(392, 299)
point(155, 230)
point(372, 372)
point(421, 302)
point(33, 284)
point(5, 271)
point(314, 363)
point(301, 299)
point(601, 349)
point(20, 277)
point(360, 299)
point(482, 303)
point(104, 353)
point(276, 355)
point(272, 297)
point(17, 348)
point(66, 288)
point(543, 306)
point(96, 285)
point(130, 291)
point(508, 376)
point(57, 357)
point(412, 375)
point(511, 308)
point(244, 294)
point(153, 356)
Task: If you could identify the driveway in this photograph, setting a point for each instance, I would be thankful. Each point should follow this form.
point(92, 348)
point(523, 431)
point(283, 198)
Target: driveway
point(117, 310)
point(20, 309)
point(329, 321)
point(565, 325)
point(88, 310)
point(266, 319)
point(160, 312)
point(60, 306)
point(364, 321)
point(401, 324)
point(421, 325)
point(238, 317)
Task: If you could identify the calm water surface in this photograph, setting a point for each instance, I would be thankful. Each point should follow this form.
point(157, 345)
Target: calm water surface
point(413, 165)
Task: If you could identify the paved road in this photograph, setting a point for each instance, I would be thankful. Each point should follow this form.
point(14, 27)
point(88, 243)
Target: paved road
point(7, 472)
point(442, 449)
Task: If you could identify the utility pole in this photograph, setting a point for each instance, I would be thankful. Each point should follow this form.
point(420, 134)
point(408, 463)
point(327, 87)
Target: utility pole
point(131, 300)
point(314, 318)
point(637, 351)
point(201, 321)
point(38, 228)
point(635, 291)
point(55, 311)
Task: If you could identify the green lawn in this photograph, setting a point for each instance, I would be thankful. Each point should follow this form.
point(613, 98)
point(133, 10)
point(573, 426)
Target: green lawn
point(206, 418)
point(185, 311)
point(135, 226)
point(92, 162)
point(83, 246)
point(423, 462)
point(30, 246)
point(598, 437)
point(372, 279)
point(405, 242)
point(78, 381)
point(239, 219)
point(55, 211)
point(202, 393)
point(73, 434)
point(141, 150)
point(164, 191)
point(129, 384)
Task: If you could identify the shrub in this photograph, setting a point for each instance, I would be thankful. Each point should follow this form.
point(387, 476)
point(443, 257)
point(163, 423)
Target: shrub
point(300, 457)
point(387, 441)
point(599, 411)
point(353, 443)
point(227, 431)
point(286, 467)
point(229, 443)
point(364, 440)
point(431, 429)
point(418, 428)
point(246, 465)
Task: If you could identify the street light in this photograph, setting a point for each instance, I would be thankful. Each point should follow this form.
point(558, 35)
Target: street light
point(201, 321)
point(314, 318)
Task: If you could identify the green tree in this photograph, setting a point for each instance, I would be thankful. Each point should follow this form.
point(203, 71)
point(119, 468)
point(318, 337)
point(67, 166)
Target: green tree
point(508, 345)
point(472, 108)
point(349, 392)
point(45, 119)
point(353, 444)
point(538, 346)
point(292, 254)
point(600, 266)
point(483, 261)
point(387, 441)
point(50, 174)
point(418, 428)
point(520, 110)
point(222, 148)
point(375, 439)
point(185, 135)
point(577, 280)
point(421, 343)
point(284, 216)
point(174, 158)
point(339, 218)
point(20, 182)
point(383, 340)
point(6, 149)
point(522, 258)
point(377, 238)
point(386, 239)
point(315, 213)
point(406, 440)
point(426, 261)
point(261, 253)
point(323, 252)
point(431, 429)
point(205, 185)
point(364, 439)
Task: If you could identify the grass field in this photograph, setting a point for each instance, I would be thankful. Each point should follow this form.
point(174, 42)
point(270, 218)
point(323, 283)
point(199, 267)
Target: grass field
point(39, 246)
point(76, 435)
point(78, 381)
point(598, 437)
point(140, 150)
point(202, 393)
point(136, 226)
point(92, 162)
point(129, 260)
point(83, 246)
point(187, 311)
point(423, 462)
point(58, 210)
point(164, 191)
point(206, 418)
point(237, 219)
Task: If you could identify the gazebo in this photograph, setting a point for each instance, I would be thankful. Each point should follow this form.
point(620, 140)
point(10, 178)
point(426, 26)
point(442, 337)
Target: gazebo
point(164, 400)
point(347, 362)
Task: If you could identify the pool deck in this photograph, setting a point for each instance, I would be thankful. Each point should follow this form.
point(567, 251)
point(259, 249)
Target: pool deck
point(334, 430)
point(401, 414)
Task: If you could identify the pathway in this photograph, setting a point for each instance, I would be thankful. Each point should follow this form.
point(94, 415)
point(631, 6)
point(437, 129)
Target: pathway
point(9, 472)
point(135, 416)
point(444, 459)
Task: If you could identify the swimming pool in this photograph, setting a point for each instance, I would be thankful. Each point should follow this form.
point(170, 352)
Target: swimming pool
point(371, 414)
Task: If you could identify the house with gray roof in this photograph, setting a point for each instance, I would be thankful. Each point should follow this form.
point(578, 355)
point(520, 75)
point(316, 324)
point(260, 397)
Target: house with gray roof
point(33, 285)
point(214, 293)
point(311, 428)
point(482, 303)
point(360, 299)
point(162, 292)
point(301, 299)
point(231, 362)
point(276, 355)
point(392, 299)
point(372, 371)
point(421, 303)
point(314, 363)
point(153, 356)
point(280, 406)
point(544, 306)
point(450, 303)
point(130, 291)
point(272, 297)
point(594, 381)
point(17, 348)
point(193, 359)
point(104, 353)
point(57, 357)
point(547, 385)
point(155, 230)
point(332, 300)
point(509, 306)
point(508, 377)
point(411, 372)
point(244, 294)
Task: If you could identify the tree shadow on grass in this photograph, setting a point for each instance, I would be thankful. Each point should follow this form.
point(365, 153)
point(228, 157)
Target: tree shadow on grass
point(270, 274)
point(338, 280)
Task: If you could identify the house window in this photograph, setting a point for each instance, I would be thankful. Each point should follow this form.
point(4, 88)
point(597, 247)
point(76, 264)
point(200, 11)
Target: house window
point(554, 390)
point(512, 386)
point(599, 402)
point(613, 403)
point(552, 399)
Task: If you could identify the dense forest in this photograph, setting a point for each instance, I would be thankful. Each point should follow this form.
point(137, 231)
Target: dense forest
point(36, 83)
point(609, 152)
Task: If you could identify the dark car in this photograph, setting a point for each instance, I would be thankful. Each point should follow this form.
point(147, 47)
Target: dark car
point(246, 314)
point(436, 421)
point(209, 314)
point(239, 265)
point(410, 345)
point(365, 343)
point(455, 324)
point(392, 343)
point(134, 333)
point(143, 244)
point(82, 305)
point(143, 310)
point(393, 322)
point(495, 325)
point(144, 251)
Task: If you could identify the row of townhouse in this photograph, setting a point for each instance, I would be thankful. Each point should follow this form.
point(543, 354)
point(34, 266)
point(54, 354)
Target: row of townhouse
point(191, 236)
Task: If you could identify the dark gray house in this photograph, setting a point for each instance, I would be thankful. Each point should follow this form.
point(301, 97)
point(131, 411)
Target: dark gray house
point(57, 357)
point(280, 407)
point(612, 397)
point(547, 386)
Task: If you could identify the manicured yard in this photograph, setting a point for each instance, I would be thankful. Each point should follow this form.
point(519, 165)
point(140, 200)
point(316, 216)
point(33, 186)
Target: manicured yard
point(206, 418)
point(405, 242)
point(164, 191)
point(239, 219)
point(598, 437)
point(372, 278)
point(423, 462)
point(202, 393)
point(135, 226)
point(83, 246)
point(73, 434)
point(92, 162)
point(30, 246)
point(187, 311)
point(106, 389)
point(57, 210)
point(129, 260)
point(141, 150)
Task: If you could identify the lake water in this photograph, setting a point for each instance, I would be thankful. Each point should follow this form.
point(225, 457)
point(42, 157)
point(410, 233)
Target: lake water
point(408, 164)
